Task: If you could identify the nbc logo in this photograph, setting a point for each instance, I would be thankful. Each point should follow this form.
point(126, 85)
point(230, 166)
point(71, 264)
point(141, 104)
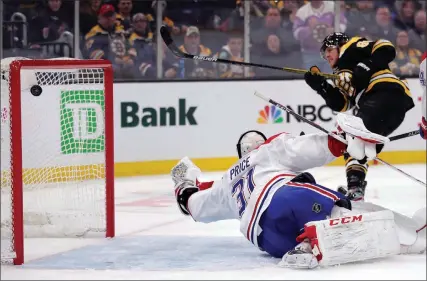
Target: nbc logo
point(270, 114)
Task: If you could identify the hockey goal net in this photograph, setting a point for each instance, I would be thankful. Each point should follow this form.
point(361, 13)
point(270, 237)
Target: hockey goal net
point(57, 166)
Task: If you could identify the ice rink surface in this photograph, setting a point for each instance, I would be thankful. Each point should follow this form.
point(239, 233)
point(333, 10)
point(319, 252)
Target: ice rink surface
point(155, 241)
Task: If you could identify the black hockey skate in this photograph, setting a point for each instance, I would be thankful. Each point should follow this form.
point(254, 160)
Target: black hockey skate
point(354, 192)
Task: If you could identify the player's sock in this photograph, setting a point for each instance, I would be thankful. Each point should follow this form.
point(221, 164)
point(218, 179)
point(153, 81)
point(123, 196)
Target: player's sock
point(356, 173)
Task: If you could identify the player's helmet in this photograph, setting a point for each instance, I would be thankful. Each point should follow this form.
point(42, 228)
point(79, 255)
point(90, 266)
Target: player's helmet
point(248, 141)
point(336, 39)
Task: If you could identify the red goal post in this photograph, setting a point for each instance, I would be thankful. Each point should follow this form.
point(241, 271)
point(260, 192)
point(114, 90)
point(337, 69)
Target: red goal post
point(83, 165)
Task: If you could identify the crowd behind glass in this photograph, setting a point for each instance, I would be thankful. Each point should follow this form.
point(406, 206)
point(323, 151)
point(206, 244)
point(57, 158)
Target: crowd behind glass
point(281, 33)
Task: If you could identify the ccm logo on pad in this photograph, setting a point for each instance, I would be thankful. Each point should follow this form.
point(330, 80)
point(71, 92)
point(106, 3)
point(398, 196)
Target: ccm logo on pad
point(345, 220)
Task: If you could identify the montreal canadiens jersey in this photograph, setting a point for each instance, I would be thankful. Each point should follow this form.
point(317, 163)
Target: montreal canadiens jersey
point(423, 83)
point(245, 191)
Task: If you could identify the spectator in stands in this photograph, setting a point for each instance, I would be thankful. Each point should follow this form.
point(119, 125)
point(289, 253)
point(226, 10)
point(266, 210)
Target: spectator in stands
point(174, 29)
point(195, 68)
point(229, 17)
point(272, 26)
point(140, 30)
point(274, 54)
point(88, 15)
point(407, 61)
point(406, 11)
point(271, 55)
point(314, 21)
point(147, 62)
point(50, 23)
point(384, 28)
point(106, 40)
point(140, 36)
point(361, 18)
point(189, 13)
point(418, 34)
point(289, 13)
point(231, 51)
point(123, 16)
point(391, 4)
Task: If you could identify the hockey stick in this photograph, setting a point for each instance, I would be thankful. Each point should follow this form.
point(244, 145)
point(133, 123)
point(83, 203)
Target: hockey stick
point(167, 38)
point(337, 137)
point(405, 135)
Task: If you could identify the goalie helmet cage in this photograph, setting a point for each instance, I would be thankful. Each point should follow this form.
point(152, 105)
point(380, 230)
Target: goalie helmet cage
point(16, 170)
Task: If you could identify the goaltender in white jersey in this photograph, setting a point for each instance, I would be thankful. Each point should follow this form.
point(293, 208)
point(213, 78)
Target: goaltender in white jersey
point(285, 213)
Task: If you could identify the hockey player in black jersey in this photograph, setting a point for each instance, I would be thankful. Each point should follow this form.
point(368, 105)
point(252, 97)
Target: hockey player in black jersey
point(365, 85)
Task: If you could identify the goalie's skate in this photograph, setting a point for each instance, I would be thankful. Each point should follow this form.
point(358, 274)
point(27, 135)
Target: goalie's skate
point(301, 257)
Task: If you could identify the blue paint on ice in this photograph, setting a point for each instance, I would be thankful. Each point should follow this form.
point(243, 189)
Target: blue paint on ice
point(160, 253)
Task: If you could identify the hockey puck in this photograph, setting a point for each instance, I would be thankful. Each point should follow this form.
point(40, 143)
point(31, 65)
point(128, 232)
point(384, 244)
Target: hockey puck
point(36, 90)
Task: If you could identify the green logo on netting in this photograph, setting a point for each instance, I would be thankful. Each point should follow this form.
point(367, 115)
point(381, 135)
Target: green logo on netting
point(82, 121)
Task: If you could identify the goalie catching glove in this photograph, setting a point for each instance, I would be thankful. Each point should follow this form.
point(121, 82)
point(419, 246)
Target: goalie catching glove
point(184, 175)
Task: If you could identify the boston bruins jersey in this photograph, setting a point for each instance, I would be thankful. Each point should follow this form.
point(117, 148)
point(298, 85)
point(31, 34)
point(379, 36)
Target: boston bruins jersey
point(381, 52)
point(198, 69)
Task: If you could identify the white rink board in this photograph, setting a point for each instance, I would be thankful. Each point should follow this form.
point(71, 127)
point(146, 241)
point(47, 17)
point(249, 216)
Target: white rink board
point(224, 110)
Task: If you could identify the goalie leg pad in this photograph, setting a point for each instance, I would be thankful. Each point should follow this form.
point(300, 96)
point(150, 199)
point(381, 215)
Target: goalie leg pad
point(409, 230)
point(419, 229)
point(352, 238)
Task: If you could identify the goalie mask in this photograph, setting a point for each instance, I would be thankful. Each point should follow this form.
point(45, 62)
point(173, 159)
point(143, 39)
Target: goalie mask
point(248, 141)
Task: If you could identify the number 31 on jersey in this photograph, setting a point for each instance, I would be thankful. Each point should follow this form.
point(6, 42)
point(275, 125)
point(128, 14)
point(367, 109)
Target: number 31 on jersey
point(242, 190)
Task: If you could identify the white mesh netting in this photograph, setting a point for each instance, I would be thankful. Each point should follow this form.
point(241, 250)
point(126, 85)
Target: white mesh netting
point(63, 159)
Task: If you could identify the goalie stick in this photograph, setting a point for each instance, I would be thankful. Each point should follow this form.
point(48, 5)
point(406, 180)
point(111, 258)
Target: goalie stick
point(167, 38)
point(337, 137)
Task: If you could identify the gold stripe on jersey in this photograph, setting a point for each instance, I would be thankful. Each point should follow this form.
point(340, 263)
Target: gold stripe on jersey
point(357, 166)
point(386, 76)
point(348, 44)
point(381, 43)
point(381, 72)
point(346, 105)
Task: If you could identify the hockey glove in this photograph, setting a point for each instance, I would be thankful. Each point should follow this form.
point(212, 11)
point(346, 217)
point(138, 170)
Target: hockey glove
point(362, 75)
point(184, 175)
point(423, 128)
point(305, 177)
point(315, 81)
